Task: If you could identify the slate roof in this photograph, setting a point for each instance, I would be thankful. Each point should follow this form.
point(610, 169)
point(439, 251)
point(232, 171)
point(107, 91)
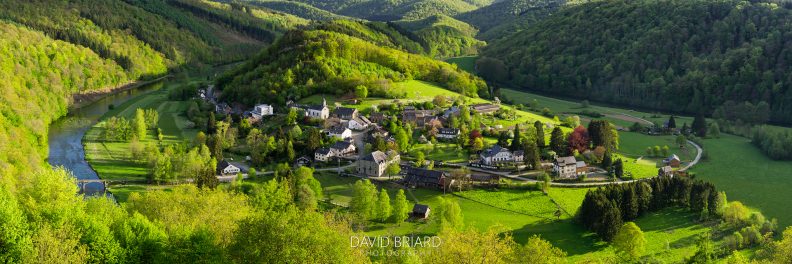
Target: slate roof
point(566, 161)
point(494, 150)
point(336, 130)
point(673, 157)
point(344, 111)
point(341, 145)
point(323, 151)
point(376, 156)
point(419, 175)
point(420, 209)
point(448, 131)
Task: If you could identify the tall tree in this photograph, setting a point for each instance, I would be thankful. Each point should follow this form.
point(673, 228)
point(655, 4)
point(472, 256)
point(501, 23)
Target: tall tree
point(540, 135)
point(364, 199)
point(578, 140)
point(516, 144)
point(557, 141)
point(383, 206)
point(699, 125)
point(211, 124)
point(401, 207)
point(671, 123)
point(140, 124)
point(531, 154)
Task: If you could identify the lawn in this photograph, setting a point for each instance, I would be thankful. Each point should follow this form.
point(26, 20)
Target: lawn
point(112, 160)
point(122, 192)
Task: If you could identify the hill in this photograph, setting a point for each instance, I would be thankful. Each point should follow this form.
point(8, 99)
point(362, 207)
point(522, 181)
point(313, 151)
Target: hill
point(509, 12)
point(658, 54)
point(443, 36)
point(299, 9)
point(377, 10)
point(306, 62)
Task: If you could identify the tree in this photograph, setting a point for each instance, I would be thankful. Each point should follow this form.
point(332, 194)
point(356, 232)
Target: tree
point(578, 140)
point(477, 145)
point(450, 215)
point(705, 253)
point(207, 176)
point(603, 133)
point(139, 123)
point(540, 136)
point(364, 197)
point(290, 153)
point(402, 139)
point(618, 168)
point(714, 130)
point(531, 154)
point(361, 91)
point(666, 151)
point(401, 207)
point(681, 140)
point(671, 123)
point(699, 126)
point(152, 118)
point(211, 124)
point(539, 251)
point(440, 101)
point(393, 169)
point(420, 158)
point(291, 117)
point(516, 144)
point(306, 199)
point(685, 129)
point(557, 142)
point(629, 242)
point(383, 206)
point(607, 160)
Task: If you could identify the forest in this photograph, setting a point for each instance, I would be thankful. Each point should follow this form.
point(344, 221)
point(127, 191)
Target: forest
point(303, 63)
point(660, 55)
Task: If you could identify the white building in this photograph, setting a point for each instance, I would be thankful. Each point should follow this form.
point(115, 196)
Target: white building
point(262, 110)
point(497, 154)
point(565, 167)
point(318, 111)
point(359, 123)
point(339, 132)
point(375, 163)
point(323, 154)
point(225, 168)
point(447, 133)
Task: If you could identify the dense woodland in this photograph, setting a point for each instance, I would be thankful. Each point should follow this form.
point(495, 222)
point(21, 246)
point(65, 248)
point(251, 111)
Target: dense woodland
point(503, 17)
point(377, 10)
point(658, 54)
point(303, 63)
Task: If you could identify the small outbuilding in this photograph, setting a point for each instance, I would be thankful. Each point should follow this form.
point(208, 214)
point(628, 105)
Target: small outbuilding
point(420, 211)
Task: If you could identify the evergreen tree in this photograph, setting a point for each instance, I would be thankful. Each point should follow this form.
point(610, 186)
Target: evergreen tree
point(699, 126)
point(618, 168)
point(714, 130)
point(557, 141)
point(516, 144)
point(140, 124)
point(531, 154)
point(211, 124)
point(607, 160)
point(671, 123)
point(685, 129)
point(540, 135)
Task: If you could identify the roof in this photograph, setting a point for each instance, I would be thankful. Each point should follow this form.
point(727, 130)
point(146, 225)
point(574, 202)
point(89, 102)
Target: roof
point(518, 153)
point(344, 111)
point(494, 150)
point(223, 164)
point(666, 169)
point(341, 145)
point(673, 157)
point(448, 131)
point(416, 175)
point(376, 156)
point(580, 164)
point(420, 208)
point(362, 120)
point(323, 151)
point(316, 107)
point(337, 130)
point(485, 107)
point(566, 161)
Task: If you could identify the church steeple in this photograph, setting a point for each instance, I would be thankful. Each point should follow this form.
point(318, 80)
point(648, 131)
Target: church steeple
point(324, 102)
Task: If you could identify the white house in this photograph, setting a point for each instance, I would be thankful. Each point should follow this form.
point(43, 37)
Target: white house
point(323, 154)
point(318, 111)
point(497, 154)
point(565, 167)
point(262, 110)
point(342, 149)
point(447, 133)
point(339, 132)
point(359, 123)
point(225, 168)
point(375, 163)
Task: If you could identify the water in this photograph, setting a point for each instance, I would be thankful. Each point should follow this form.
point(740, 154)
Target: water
point(65, 135)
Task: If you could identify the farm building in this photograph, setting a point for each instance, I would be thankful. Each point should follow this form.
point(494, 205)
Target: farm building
point(420, 211)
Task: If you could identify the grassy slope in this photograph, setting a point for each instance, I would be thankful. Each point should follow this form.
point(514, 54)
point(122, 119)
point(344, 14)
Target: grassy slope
point(467, 63)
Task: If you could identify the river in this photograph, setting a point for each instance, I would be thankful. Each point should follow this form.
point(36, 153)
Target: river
point(66, 134)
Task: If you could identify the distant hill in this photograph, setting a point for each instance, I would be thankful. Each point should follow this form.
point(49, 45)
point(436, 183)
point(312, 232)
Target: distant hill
point(508, 12)
point(299, 9)
point(685, 56)
point(443, 36)
point(380, 10)
point(306, 62)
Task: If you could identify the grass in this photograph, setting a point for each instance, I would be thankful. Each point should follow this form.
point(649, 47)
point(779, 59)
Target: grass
point(531, 203)
point(747, 175)
point(122, 192)
point(112, 160)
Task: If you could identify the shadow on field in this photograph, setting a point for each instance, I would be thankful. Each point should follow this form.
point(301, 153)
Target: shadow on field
point(564, 234)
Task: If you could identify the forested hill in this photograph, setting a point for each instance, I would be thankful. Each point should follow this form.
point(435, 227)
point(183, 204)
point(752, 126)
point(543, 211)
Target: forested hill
point(508, 15)
point(679, 55)
point(306, 62)
point(381, 10)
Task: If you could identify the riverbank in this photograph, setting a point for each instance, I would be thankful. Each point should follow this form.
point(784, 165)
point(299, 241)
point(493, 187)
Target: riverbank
point(81, 100)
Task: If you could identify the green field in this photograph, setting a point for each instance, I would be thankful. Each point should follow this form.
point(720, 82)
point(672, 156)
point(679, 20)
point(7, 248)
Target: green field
point(747, 175)
point(112, 160)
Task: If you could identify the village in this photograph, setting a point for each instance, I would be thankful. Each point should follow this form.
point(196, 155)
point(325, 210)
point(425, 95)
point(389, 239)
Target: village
point(395, 142)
